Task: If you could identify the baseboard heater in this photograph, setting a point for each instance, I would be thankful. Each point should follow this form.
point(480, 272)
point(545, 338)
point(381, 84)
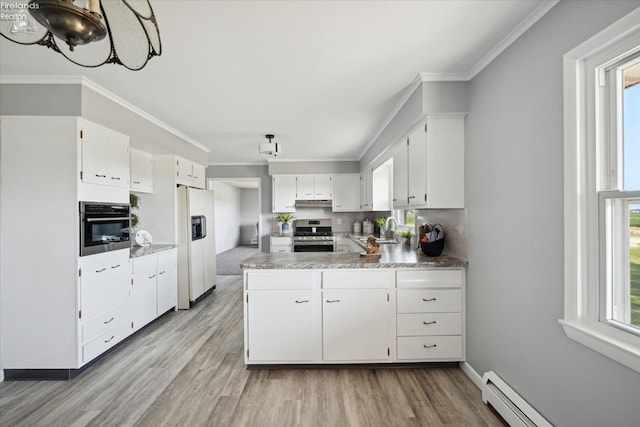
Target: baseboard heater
point(511, 407)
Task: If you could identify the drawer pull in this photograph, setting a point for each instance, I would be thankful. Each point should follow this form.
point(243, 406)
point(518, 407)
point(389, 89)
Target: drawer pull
point(112, 337)
point(162, 272)
point(109, 321)
point(136, 182)
point(151, 277)
point(117, 178)
point(115, 266)
point(428, 299)
point(101, 176)
point(433, 322)
point(331, 301)
point(300, 301)
point(430, 346)
point(100, 271)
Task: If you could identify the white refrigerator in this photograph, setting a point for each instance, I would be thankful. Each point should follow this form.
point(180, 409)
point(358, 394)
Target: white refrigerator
point(196, 245)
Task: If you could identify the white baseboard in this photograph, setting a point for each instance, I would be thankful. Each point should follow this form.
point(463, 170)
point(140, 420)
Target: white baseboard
point(472, 374)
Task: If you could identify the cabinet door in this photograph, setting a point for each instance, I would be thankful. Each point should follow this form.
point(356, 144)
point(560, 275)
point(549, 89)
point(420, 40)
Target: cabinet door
point(445, 160)
point(322, 187)
point(196, 273)
point(417, 167)
point(118, 160)
point(346, 193)
point(280, 326)
point(366, 189)
point(184, 171)
point(304, 187)
point(104, 284)
point(144, 291)
point(400, 176)
point(141, 171)
point(167, 281)
point(95, 154)
point(199, 180)
point(284, 193)
point(355, 325)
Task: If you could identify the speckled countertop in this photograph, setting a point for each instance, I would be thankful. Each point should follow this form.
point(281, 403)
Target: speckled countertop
point(140, 251)
point(393, 256)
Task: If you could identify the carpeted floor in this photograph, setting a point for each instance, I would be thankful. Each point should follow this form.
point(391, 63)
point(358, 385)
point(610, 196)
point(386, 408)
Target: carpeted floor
point(228, 262)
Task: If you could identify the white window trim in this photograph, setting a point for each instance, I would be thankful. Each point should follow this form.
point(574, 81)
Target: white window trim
point(581, 320)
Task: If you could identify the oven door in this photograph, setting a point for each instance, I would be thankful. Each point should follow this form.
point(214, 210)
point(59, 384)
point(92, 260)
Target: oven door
point(316, 246)
point(104, 227)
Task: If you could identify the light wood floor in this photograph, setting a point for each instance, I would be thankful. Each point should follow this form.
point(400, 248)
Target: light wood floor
point(187, 369)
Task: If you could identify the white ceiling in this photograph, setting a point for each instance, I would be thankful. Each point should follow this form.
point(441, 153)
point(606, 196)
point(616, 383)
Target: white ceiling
point(321, 75)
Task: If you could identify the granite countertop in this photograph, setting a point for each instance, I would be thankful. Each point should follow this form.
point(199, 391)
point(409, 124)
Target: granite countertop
point(393, 256)
point(140, 251)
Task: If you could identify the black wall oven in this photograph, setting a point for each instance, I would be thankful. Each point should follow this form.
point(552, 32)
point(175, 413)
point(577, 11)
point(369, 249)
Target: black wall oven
point(104, 227)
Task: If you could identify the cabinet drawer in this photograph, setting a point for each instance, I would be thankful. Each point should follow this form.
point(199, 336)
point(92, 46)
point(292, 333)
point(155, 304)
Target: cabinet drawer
point(429, 300)
point(105, 322)
point(344, 279)
point(281, 241)
point(281, 249)
point(429, 324)
point(105, 341)
point(429, 278)
point(430, 348)
point(280, 279)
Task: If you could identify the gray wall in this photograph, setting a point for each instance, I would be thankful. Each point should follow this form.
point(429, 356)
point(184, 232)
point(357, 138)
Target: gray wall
point(251, 171)
point(40, 100)
point(514, 195)
point(276, 168)
point(227, 204)
point(249, 214)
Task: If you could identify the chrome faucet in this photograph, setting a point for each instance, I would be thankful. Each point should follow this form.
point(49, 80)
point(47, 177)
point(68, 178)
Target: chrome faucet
point(392, 230)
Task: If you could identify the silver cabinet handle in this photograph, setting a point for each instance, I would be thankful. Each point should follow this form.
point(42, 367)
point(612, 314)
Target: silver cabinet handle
point(136, 182)
point(162, 272)
point(430, 346)
point(117, 178)
point(331, 301)
point(300, 301)
point(433, 322)
point(151, 277)
point(100, 271)
point(428, 299)
point(109, 321)
point(112, 337)
point(101, 176)
point(115, 266)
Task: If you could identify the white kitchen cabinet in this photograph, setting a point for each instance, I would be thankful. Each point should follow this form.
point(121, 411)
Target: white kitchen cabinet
point(284, 193)
point(167, 280)
point(430, 315)
point(366, 189)
point(144, 289)
point(346, 193)
point(281, 244)
point(141, 171)
point(314, 187)
point(105, 156)
point(430, 160)
point(280, 326)
point(355, 325)
point(190, 173)
point(282, 316)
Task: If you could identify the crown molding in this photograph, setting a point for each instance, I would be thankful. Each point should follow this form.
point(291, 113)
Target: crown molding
point(262, 163)
point(323, 159)
point(107, 94)
point(510, 38)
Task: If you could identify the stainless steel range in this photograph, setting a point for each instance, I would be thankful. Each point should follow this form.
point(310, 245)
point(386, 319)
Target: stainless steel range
point(312, 235)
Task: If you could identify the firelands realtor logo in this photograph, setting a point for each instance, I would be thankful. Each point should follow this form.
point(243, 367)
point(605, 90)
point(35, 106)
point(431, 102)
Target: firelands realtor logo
point(18, 14)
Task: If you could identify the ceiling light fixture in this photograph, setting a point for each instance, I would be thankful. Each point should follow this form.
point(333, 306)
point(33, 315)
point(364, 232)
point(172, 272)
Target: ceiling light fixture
point(93, 32)
point(269, 148)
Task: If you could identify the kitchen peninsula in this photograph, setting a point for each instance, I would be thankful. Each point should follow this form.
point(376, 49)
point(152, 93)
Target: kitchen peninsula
point(340, 308)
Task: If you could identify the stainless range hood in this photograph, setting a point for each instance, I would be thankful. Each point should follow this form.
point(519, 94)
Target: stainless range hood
point(313, 203)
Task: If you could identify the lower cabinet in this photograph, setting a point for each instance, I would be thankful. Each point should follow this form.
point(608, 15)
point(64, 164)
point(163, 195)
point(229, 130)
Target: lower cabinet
point(354, 315)
point(154, 286)
point(355, 325)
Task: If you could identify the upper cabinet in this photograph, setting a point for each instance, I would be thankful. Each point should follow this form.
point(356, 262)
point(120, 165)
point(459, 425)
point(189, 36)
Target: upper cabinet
point(141, 171)
point(105, 156)
point(366, 189)
point(190, 173)
point(428, 166)
point(284, 193)
point(346, 193)
point(314, 187)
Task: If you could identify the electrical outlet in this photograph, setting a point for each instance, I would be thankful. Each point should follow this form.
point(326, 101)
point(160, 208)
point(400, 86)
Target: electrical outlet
point(339, 221)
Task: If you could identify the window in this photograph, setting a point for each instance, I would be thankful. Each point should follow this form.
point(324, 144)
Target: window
point(406, 218)
point(602, 192)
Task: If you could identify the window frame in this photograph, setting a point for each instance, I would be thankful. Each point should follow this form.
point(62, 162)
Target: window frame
point(586, 162)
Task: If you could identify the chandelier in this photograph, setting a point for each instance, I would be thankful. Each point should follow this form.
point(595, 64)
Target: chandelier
point(89, 33)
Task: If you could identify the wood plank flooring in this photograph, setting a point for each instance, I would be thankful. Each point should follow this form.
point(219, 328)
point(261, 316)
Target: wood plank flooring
point(187, 370)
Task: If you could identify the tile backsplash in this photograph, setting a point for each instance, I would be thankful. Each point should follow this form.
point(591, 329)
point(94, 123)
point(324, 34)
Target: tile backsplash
point(454, 222)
